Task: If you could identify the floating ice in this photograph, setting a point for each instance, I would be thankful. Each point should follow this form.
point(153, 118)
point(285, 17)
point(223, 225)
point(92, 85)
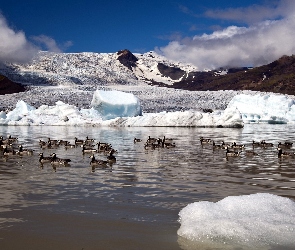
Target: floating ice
point(64, 114)
point(251, 220)
point(112, 104)
point(229, 118)
point(268, 108)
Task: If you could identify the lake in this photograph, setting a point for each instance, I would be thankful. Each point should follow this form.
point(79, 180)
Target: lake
point(134, 202)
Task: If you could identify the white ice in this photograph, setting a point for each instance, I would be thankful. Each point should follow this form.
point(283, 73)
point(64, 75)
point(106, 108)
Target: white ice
point(253, 220)
point(116, 108)
point(112, 104)
point(265, 108)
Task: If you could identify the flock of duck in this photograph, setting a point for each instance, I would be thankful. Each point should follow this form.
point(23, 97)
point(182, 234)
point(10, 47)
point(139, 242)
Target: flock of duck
point(11, 147)
point(234, 150)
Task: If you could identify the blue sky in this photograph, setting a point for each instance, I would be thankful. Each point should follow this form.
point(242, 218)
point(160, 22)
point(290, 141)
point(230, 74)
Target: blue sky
point(180, 30)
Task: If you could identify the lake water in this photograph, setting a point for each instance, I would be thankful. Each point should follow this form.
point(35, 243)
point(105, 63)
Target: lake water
point(134, 203)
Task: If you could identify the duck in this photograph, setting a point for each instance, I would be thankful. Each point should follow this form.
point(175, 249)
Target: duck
point(63, 142)
point(12, 139)
point(111, 157)
point(103, 146)
point(88, 141)
point(58, 161)
point(168, 142)
point(136, 140)
point(285, 145)
point(78, 141)
point(95, 162)
point(256, 143)
point(149, 146)
point(266, 144)
point(53, 142)
point(204, 141)
point(88, 149)
point(282, 154)
point(217, 146)
point(7, 151)
point(44, 159)
point(69, 145)
point(151, 140)
point(237, 146)
point(229, 153)
point(24, 151)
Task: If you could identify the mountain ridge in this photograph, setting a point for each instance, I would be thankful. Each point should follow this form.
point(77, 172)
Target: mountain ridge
point(124, 67)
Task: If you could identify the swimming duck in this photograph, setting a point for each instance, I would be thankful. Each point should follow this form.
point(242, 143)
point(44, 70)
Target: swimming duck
point(282, 154)
point(111, 157)
point(266, 144)
point(69, 145)
point(95, 162)
point(53, 142)
point(78, 141)
point(103, 146)
point(151, 140)
point(44, 159)
point(285, 145)
point(88, 149)
point(58, 161)
point(217, 146)
point(136, 140)
point(237, 146)
point(229, 153)
point(204, 141)
point(7, 151)
point(256, 143)
point(24, 151)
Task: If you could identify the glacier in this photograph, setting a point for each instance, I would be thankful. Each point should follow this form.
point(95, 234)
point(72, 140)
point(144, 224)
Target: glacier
point(230, 221)
point(120, 109)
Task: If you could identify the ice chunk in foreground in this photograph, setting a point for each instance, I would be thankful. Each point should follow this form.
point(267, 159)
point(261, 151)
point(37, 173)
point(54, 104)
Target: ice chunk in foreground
point(268, 108)
point(112, 104)
point(21, 109)
point(249, 220)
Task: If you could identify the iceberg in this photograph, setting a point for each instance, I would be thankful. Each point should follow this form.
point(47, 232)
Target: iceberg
point(260, 219)
point(267, 108)
point(63, 114)
point(112, 104)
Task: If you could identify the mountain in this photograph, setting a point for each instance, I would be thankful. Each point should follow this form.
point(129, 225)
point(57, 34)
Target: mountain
point(276, 77)
point(159, 83)
point(125, 68)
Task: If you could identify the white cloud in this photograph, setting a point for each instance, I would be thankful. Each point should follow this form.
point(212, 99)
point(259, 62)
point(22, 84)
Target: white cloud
point(14, 46)
point(260, 43)
point(50, 44)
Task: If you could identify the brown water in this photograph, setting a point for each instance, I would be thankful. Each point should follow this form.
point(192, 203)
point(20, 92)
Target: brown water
point(134, 203)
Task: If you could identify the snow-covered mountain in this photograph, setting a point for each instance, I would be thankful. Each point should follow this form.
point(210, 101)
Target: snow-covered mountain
point(92, 69)
point(159, 83)
point(73, 77)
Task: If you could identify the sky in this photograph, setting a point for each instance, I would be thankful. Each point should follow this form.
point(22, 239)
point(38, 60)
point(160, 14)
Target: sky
point(206, 33)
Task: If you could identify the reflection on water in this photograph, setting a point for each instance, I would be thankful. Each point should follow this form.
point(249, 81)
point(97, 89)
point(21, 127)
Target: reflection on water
point(143, 185)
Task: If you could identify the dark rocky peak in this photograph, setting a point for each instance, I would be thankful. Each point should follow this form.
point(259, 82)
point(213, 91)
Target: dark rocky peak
point(127, 58)
point(9, 87)
point(173, 72)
